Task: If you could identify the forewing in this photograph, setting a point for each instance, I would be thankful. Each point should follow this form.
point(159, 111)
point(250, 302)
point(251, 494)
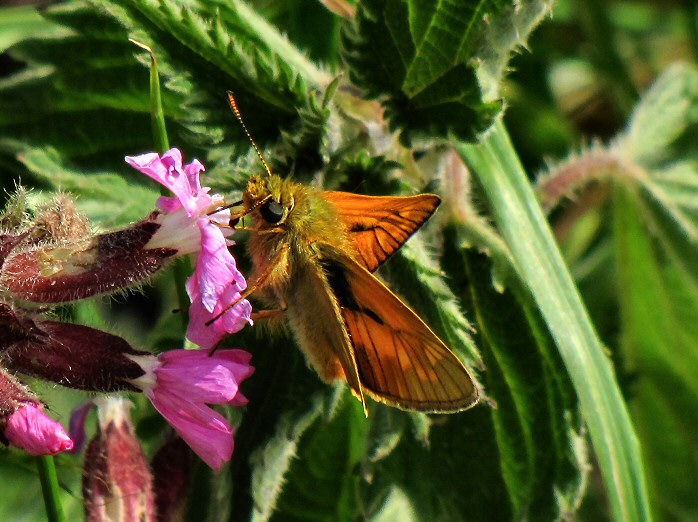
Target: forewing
point(400, 361)
point(380, 225)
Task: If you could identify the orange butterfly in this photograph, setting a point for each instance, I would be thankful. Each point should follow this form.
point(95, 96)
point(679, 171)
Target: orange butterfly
point(313, 253)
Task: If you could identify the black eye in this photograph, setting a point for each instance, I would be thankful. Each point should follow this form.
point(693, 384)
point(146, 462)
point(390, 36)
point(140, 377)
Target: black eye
point(272, 211)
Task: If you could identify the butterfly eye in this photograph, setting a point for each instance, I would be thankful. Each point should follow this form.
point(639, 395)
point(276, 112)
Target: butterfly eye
point(272, 211)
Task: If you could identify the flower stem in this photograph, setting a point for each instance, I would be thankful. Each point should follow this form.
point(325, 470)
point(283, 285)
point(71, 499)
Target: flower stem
point(49, 487)
point(522, 224)
point(182, 267)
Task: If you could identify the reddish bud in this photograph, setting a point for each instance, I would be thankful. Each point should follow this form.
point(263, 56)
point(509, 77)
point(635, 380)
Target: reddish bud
point(69, 354)
point(117, 484)
point(84, 268)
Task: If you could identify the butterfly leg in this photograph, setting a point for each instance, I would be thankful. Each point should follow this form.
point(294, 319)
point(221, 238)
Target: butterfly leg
point(269, 314)
point(253, 287)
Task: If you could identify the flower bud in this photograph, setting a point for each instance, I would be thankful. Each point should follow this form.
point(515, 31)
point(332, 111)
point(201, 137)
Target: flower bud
point(117, 483)
point(69, 354)
point(84, 267)
point(23, 423)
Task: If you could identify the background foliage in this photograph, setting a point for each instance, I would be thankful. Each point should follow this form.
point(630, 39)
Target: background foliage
point(610, 148)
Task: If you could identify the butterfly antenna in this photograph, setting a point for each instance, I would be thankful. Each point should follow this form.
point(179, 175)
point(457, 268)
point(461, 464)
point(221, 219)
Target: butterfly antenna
point(234, 107)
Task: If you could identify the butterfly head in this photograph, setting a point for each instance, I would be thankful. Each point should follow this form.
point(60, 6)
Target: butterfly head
point(269, 198)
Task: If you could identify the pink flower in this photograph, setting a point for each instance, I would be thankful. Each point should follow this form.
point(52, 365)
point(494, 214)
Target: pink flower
point(29, 429)
point(182, 383)
point(216, 283)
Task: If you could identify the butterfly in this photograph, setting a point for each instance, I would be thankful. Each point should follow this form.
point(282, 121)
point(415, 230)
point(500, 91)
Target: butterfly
point(314, 253)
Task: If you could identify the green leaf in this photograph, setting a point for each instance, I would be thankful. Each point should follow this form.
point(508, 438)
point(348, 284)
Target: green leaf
point(659, 306)
point(422, 71)
point(85, 92)
point(542, 451)
point(538, 260)
point(106, 198)
point(273, 460)
point(665, 114)
point(506, 32)
point(21, 23)
point(455, 476)
point(322, 482)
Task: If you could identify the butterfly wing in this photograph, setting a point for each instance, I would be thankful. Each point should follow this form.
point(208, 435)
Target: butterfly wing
point(380, 225)
point(400, 361)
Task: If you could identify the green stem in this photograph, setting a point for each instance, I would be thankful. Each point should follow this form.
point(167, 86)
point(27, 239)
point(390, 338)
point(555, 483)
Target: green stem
point(182, 267)
point(523, 226)
point(49, 487)
point(157, 114)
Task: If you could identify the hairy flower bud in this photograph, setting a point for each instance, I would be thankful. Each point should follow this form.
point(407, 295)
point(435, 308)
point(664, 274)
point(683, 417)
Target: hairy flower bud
point(85, 267)
point(117, 483)
point(69, 354)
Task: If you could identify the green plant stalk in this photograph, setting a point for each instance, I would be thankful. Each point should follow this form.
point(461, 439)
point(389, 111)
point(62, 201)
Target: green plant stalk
point(521, 222)
point(157, 114)
point(49, 488)
point(181, 266)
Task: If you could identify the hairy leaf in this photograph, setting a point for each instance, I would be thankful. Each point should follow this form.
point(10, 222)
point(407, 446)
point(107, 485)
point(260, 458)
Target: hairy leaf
point(422, 73)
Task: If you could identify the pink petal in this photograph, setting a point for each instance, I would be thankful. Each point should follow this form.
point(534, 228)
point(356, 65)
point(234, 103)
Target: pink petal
point(78, 418)
point(203, 429)
point(216, 268)
point(204, 377)
point(182, 181)
point(215, 285)
point(29, 429)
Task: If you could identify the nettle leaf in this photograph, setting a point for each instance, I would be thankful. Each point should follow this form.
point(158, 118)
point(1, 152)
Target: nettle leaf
point(91, 73)
point(654, 169)
point(19, 23)
point(106, 198)
point(659, 304)
point(221, 46)
point(455, 476)
point(240, 43)
point(667, 113)
point(415, 56)
point(661, 139)
point(505, 32)
point(322, 483)
point(538, 428)
point(273, 460)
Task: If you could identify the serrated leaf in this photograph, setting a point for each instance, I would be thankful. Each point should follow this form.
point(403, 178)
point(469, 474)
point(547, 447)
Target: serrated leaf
point(239, 42)
point(322, 481)
point(22, 22)
point(506, 32)
point(91, 73)
point(537, 423)
point(272, 462)
point(415, 57)
point(455, 477)
point(665, 113)
point(106, 198)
